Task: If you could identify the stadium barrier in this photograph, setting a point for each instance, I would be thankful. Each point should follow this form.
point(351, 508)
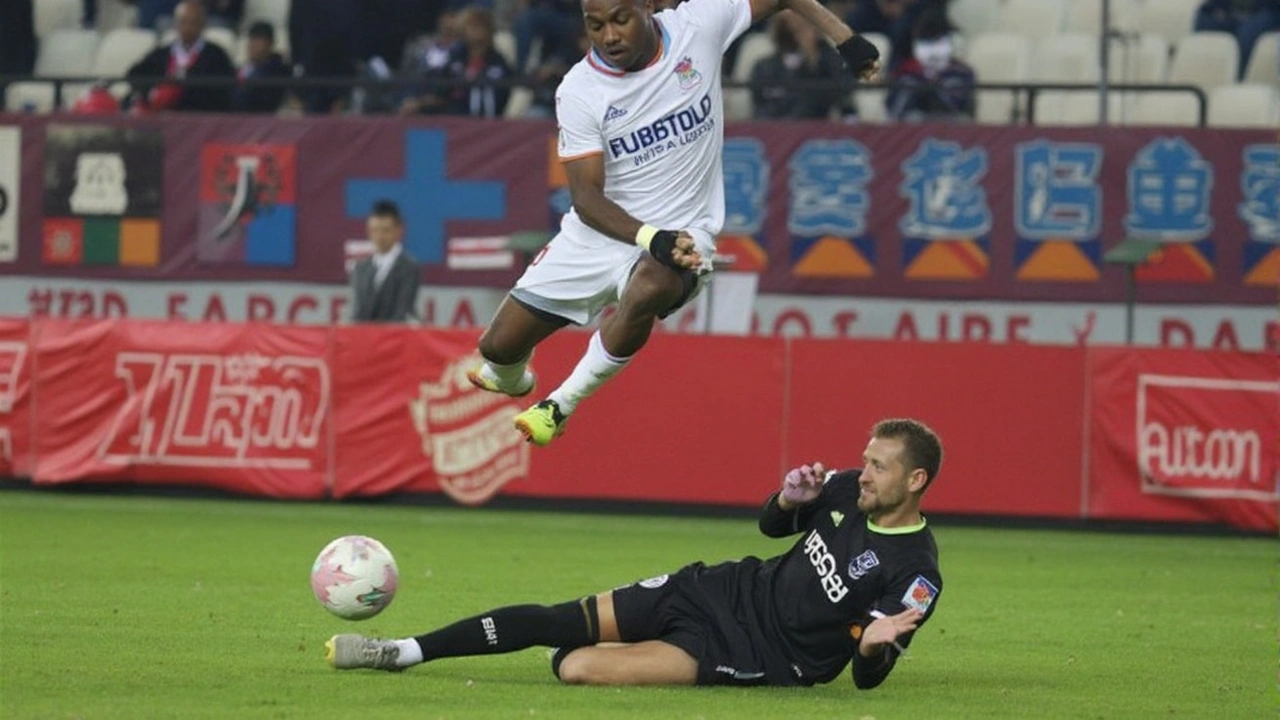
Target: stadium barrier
point(359, 411)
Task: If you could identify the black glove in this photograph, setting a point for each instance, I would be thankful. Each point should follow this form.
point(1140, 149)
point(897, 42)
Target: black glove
point(859, 53)
point(663, 248)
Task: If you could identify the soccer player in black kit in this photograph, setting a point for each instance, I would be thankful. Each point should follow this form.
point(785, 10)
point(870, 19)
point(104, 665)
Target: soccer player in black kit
point(860, 580)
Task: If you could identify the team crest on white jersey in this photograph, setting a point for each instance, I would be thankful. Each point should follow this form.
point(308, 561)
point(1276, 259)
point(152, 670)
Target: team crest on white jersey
point(690, 78)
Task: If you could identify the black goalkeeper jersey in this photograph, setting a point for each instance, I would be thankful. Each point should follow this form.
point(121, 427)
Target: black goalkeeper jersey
point(814, 600)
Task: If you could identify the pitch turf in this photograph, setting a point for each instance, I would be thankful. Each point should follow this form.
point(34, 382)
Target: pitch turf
point(127, 607)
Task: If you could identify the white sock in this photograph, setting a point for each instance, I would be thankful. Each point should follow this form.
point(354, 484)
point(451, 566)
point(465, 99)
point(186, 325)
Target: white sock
point(507, 376)
point(410, 652)
point(595, 367)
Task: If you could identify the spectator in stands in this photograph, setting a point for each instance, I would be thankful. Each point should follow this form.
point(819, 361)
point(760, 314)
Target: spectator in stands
point(931, 84)
point(263, 62)
point(17, 38)
point(551, 21)
point(802, 56)
point(96, 100)
point(476, 61)
point(189, 56)
point(384, 287)
point(893, 19)
point(428, 59)
point(552, 70)
point(1248, 20)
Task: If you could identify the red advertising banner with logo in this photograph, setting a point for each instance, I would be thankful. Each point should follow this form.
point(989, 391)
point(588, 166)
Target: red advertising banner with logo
point(294, 412)
point(239, 407)
point(1184, 436)
point(15, 397)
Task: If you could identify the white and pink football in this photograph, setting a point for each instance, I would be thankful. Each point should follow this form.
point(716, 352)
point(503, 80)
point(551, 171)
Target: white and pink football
point(355, 577)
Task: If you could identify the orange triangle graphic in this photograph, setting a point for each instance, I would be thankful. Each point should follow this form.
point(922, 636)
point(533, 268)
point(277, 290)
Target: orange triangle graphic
point(1266, 272)
point(962, 260)
point(833, 257)
point(747, 254)
point(1176, 263)
point(1058, 260)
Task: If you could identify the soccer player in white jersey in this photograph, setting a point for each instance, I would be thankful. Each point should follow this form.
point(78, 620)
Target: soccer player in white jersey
point(641, 132)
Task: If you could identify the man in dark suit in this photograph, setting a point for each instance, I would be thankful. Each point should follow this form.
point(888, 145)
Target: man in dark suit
point(384, 288)
point(187, 57)
point(263, 62)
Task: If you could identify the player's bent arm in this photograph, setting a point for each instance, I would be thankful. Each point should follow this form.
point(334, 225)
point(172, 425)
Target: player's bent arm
point(586, 187)
point(827, 22)
point(775, 522)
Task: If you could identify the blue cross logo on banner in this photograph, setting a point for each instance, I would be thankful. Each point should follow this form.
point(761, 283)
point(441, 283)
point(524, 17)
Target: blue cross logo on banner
point(427, 197)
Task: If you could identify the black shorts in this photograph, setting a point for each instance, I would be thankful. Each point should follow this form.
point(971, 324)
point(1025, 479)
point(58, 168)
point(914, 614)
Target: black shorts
point(709, 613)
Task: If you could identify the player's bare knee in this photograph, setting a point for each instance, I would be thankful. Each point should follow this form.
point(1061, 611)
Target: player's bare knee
point(576, 669)
point(653, 289)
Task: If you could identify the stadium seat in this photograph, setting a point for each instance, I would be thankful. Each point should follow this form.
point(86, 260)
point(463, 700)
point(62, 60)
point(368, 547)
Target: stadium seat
point(1085, 16)
point(1264, 63)
point(1032, 18)
point(998, 58)
point(1139, 59)
point(755, 47)
point(275, 12)
point(505, 43)
point(737, 104)
point(1244, 106)
point(1170, 19)
point(519, 102)
point(31, 97)
point(114, 14)
point(120, 49)
point(53, 15)
point(1206, 60)
point(67, 53)
point(1165, 108)
point(1071, 58)
point(1067, 107)
point(974, 17)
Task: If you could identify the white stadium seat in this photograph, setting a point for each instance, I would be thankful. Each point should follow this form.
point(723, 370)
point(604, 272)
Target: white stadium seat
point(35, 97)
point(1264, 63)
point(275, 12)
point(53, 15)
point(755, 47)
point(1244, 106)
point(67, 53)
point(998, 58)
point(1206, 60)
point(120, 49)
point(1139, 60)
point(1032, 18)
point(1068, 107)
point(1165, 108)
point(1071, 58)
point(1085, 16)
point(974, 17)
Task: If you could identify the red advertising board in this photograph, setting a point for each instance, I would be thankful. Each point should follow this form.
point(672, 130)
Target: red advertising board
point(15, 397)
point(1009, 417)
point(239, 407)
point(1064, 432)
point(1183, 436)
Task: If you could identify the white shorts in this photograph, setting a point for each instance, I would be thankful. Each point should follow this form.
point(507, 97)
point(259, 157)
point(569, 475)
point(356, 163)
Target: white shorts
point(577, 279)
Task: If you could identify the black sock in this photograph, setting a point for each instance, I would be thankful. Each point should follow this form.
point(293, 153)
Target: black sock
point(571, 624)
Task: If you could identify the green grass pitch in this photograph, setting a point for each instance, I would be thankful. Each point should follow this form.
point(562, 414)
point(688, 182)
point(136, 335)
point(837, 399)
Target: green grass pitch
point(132, 607)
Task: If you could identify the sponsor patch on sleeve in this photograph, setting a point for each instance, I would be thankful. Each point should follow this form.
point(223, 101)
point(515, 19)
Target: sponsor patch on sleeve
point(920, 594)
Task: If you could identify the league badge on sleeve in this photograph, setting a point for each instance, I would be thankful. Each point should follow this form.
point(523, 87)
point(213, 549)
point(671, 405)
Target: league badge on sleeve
point(920, 594)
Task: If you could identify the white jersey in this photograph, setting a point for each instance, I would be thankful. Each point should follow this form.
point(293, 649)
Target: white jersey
point(661, 128)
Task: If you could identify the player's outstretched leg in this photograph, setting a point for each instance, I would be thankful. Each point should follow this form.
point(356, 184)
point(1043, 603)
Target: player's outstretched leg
point(652, 662)
point(504, 630)
point(507, 346)
point(651, 291)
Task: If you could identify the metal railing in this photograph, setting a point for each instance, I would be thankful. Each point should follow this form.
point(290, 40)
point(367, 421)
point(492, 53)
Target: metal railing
point(1023, 108)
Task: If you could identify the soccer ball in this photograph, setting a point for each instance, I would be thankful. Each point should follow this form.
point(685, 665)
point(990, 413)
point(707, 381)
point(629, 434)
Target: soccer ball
point(355, 577)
